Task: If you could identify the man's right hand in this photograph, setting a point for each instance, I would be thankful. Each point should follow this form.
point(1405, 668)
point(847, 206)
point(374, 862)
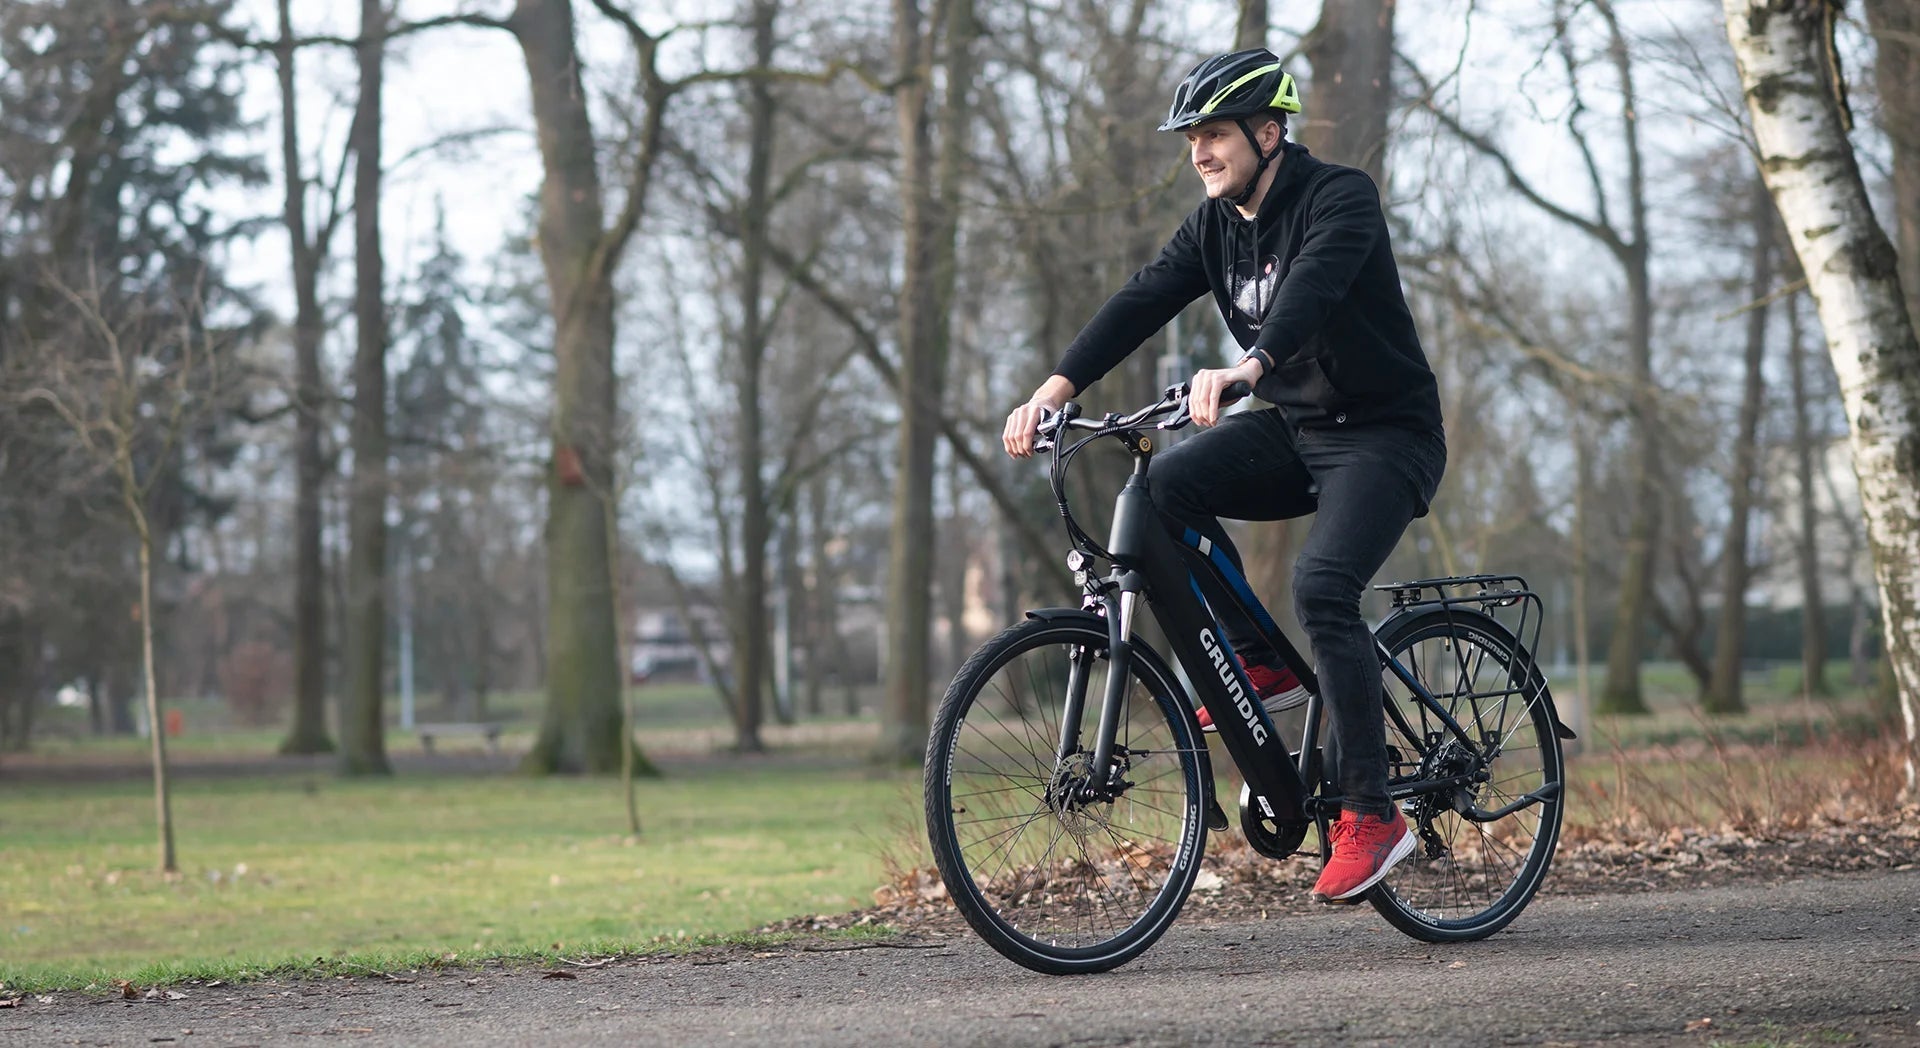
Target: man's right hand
point(1025, 420)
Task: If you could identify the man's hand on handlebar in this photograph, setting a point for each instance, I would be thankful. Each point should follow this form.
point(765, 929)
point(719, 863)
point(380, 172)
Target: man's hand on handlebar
point(1025, 420)
point(1204, 397)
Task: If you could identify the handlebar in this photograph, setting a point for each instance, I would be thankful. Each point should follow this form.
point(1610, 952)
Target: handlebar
point(1172, 403)
point(1172, 411)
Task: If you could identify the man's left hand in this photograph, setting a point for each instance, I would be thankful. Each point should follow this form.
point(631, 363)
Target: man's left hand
point(1203, 397)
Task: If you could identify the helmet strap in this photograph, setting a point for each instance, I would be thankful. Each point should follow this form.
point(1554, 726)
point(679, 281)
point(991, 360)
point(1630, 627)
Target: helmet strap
point(1259, 168)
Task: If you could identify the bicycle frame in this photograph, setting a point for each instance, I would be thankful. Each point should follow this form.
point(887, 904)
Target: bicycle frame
point(1181, 581)
point(1184, 580)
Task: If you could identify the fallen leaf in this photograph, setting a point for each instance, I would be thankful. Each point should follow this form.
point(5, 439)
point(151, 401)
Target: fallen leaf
point(1699, 1024)
point(9, 1002)
point(127, 989)
point(1458, 964)
point(560, 975)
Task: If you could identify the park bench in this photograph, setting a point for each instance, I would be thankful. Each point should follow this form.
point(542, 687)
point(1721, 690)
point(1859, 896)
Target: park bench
point(428, 732)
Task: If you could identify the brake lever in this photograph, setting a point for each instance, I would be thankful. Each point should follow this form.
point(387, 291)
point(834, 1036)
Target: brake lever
point(1052, 423)
point(1232, 394)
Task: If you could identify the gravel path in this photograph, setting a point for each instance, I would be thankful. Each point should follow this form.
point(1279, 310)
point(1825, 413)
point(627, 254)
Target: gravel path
point(1810, 961)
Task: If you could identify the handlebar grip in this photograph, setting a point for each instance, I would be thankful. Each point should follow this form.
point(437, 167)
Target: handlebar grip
point(1235, 393)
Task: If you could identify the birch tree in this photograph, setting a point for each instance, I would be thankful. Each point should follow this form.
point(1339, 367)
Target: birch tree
point(1789, 73)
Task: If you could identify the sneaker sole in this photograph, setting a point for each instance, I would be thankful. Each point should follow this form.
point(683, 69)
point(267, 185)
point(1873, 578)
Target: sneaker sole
point(1279, 707)
point(1400, 851)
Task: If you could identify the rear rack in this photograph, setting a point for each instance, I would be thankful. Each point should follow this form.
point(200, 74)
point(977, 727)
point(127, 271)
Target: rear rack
point(1506, 599)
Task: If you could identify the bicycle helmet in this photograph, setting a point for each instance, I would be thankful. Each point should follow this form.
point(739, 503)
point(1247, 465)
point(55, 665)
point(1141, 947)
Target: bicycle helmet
point(1234, 87)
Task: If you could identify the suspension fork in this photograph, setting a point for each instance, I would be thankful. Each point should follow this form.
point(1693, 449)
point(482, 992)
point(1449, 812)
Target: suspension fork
point(1120, 615)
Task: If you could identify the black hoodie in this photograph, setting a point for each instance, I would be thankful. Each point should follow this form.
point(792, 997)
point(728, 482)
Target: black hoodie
point(1326, 314)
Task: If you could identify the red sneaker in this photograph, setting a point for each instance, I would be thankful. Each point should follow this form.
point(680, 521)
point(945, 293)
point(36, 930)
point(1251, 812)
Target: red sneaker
point(1365, 847)
point(1277, 687)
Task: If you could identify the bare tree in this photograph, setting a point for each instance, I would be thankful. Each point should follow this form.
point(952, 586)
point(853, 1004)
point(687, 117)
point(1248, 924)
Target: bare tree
point(1723, 694)
point(930, 201)
point(1629, 245)
point(1813, 611)
point(131, 383)
point(308, 733)
point(363, 746)
point(1788, 67)
point(750, 647)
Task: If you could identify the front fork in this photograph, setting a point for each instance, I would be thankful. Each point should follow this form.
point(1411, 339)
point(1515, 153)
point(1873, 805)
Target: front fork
point(1120, 610)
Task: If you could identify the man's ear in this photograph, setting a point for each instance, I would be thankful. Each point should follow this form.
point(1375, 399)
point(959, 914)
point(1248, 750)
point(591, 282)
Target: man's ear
point(1270, 137)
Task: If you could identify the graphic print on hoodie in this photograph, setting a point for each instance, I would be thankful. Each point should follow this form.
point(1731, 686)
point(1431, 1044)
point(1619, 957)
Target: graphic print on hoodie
point(1252, 295)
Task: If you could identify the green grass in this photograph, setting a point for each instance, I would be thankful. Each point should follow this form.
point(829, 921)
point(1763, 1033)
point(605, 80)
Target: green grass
point(1776, 710)
point(279, 871)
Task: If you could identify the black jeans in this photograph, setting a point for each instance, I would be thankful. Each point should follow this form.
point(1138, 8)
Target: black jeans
point(1364, 484)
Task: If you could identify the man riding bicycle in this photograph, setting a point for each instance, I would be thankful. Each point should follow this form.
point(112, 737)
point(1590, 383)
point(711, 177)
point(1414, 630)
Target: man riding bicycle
point(1296, 254)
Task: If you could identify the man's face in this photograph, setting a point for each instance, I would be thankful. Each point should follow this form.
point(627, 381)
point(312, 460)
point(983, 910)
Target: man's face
point(1222, 155)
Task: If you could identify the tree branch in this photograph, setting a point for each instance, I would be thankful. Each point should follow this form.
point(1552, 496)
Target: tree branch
point(1485, 146)
point(869, 347)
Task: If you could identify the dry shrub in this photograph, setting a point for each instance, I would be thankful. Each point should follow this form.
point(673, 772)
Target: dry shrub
point(1714, 784)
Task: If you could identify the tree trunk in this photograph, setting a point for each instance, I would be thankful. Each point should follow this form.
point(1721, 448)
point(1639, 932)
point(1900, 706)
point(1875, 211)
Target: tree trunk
point(1813, 607)
point(1786, 63)
point(819, 620)
point(1351, 51)
point(750, 647)
point(1723, 693)
point(1250, 29)
point(928, 213)
point(363, 745)
point(581, 729)
point(308, 733)
point(958, 552)
point(1896, 29)
point(154, 720)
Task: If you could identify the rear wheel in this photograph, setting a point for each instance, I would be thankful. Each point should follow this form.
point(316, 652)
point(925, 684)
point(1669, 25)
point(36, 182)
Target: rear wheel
point(1057, 866)
point(1482, 847)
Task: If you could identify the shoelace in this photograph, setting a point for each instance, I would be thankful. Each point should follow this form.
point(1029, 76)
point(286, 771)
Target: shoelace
point(1341, 831)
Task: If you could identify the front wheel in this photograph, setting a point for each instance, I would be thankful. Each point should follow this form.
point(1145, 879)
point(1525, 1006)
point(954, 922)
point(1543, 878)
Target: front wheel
point(1059, 866)
point(1483, 847)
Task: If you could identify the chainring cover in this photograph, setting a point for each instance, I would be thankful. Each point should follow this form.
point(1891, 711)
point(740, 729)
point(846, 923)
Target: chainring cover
point(1271, 839)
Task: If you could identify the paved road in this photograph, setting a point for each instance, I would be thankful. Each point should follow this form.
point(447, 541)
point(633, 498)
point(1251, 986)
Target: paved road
point(1813, 962)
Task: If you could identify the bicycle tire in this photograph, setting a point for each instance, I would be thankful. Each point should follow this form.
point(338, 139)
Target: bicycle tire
point(1057, 885)
point(1467, 878)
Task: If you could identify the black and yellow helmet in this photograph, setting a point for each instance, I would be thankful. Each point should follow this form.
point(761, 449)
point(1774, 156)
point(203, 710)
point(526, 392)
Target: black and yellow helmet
point(1232, 86)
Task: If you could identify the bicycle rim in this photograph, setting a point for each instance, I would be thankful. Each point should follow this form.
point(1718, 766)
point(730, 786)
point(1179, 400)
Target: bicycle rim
point(1470, 875)
point(1056, 883)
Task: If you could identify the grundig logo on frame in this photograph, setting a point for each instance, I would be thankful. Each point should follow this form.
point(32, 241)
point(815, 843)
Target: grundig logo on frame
point(1240, 700)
